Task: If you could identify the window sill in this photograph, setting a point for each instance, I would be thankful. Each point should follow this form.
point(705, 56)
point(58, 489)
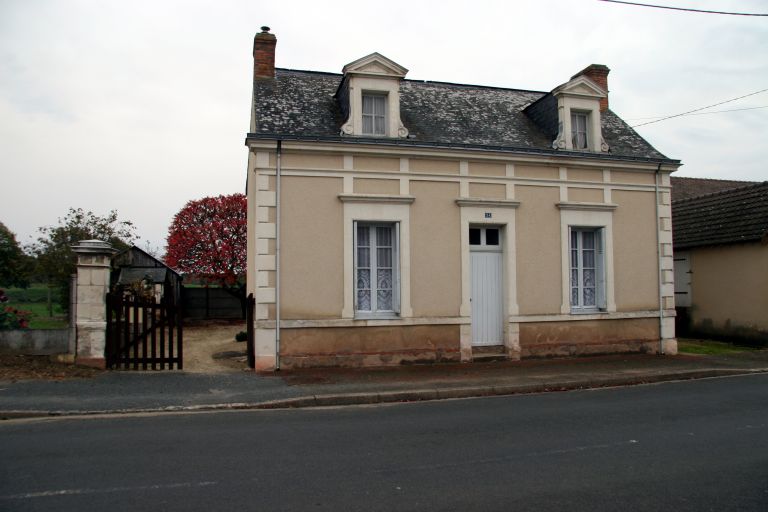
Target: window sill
point(376, 316)
point(589, 312)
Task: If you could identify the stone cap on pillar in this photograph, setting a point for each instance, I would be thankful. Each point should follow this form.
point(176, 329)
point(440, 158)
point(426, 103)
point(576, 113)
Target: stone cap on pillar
point(94, 247)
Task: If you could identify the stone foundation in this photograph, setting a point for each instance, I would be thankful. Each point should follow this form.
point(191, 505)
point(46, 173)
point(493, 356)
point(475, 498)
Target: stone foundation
point(93, 362)
point(589, 337)
point(368, 346)
point(313, 347)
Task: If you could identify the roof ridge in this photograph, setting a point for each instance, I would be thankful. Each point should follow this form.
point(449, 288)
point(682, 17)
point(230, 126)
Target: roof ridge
point(475, 86)
point(750, 184)
point(309, 71)
point(417, 81)
point(712, 179)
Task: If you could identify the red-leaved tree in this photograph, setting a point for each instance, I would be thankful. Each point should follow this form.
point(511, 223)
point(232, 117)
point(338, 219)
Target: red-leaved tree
point(208, 238)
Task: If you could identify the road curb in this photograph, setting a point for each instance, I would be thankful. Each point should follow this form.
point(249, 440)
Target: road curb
point(415, 395)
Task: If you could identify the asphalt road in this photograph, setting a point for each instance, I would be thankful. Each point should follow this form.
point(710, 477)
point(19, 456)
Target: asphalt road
point(697, 445)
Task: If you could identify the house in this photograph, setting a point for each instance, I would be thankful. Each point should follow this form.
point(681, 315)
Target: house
point(393, 221)
point(721, 263)
point(135, 267)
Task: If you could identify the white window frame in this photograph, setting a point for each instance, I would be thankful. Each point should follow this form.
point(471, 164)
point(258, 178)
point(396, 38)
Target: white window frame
point(576, 264)
point(483, 246)
point(587, 216)
point(385, 209)
point(375, 311)
point(576, 115)
point(384, 98)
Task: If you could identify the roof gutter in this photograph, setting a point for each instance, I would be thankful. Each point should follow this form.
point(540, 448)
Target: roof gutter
point(475, 147)
point(277, 254)
point(660, 276)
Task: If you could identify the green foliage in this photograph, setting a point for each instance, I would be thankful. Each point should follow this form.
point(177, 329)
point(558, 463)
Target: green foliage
point(35, 300)
point(241, 336)
point(15, 266)
point(36, 292)
point(53, 249)
point(10, 317)
point(708, 347)
point(39, 318)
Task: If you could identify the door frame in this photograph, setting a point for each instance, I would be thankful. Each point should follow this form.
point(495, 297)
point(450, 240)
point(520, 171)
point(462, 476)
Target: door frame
point(497, 212)
point(488, 249)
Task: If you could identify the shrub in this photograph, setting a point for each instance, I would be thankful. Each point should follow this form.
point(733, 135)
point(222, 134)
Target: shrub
point(10, 317)
point(241, 336)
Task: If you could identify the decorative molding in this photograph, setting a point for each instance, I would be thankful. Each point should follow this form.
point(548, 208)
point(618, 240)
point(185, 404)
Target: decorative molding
point(559, 142)
point(453, 320)
point(603, 315)
point(376, 198)
point(375, 64)
point(581, 86)
point(364, 322)
point(487, 203)
point(598, 207)
point(582, 160)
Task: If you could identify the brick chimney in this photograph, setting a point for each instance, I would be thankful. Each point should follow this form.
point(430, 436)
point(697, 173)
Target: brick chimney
point(598, 73)
point(264, 54)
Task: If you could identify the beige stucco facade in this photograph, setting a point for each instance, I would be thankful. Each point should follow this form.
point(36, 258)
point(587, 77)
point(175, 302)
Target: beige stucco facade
point(738, 272)
point(434, 196)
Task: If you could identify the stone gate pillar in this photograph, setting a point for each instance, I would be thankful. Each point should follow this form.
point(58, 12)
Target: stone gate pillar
point(93, 266)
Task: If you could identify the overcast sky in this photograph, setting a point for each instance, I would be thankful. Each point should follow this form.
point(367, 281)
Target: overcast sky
point(140, 106)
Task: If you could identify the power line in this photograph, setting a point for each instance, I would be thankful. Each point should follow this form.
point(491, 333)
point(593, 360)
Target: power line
point(702, 108)
point(700, 113)
point(685, 9)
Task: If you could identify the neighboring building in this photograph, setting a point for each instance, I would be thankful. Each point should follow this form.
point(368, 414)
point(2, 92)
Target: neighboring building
point(134, 267)
point(395, 221)
point(686, 188)
point(721, 263)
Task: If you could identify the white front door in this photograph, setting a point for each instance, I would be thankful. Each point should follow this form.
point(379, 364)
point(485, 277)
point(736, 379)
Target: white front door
point(487, 278)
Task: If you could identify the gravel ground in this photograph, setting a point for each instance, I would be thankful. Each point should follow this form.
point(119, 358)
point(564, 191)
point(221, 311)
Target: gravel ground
point(211, 348)
point(14, 368)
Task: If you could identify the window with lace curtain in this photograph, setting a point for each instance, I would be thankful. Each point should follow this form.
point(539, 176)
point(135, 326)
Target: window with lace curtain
point(376, 269)
point(587, 274)
point(374, 114)
point(579, 130)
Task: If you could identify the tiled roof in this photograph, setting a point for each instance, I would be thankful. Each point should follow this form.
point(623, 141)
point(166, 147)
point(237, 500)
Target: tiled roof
point(685, 188)
point(302, 104)
point(731, 216)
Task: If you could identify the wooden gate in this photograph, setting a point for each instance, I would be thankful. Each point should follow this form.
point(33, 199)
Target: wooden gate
point(143, 334)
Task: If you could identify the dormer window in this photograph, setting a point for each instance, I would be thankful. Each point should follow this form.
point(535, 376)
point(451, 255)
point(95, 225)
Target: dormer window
point(374, 114)
point(579, 112)
point(579, 123)
point(369, 98)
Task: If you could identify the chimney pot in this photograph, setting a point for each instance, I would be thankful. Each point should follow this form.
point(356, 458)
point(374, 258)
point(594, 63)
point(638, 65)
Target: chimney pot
point(598, 73)
point(264, 54)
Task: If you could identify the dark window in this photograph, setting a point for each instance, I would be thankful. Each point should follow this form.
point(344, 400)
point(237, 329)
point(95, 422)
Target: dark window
point(474, 236)
point(491, 236)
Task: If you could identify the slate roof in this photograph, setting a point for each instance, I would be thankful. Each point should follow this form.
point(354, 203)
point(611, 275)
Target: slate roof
point(730, 216)
point(302, 105)
point(685, 188)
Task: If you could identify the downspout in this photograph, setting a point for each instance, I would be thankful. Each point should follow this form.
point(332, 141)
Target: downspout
point(658, 262)
point(277, 256)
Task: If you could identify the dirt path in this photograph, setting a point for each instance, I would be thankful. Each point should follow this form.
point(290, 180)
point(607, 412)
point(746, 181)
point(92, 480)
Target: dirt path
point(212, 348)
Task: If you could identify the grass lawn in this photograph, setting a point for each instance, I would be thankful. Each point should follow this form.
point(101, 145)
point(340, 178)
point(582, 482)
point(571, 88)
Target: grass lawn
point(708, 347)
point(34, 299)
